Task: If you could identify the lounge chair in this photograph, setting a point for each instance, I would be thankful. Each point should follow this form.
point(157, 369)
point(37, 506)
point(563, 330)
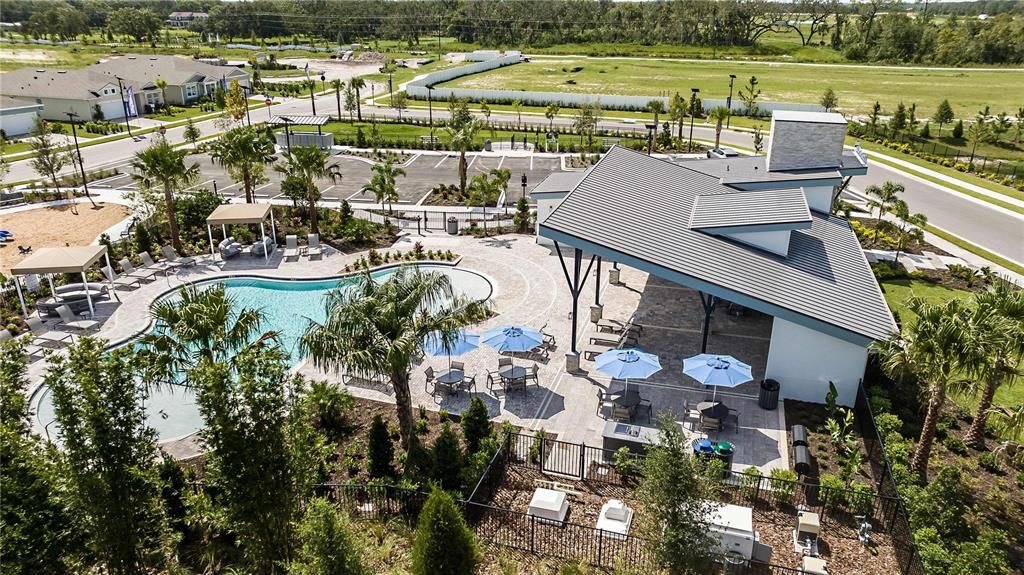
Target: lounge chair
point(262, 247)
point(69, 319)
point(291, 247)
point(119, 280)
point(130, 271)
point(30, 348)
point(33, 284)
point(616, 326)
point(44, 334)
point(164, 266)
point(313, 246)
point(172, 256)
point(229, 248)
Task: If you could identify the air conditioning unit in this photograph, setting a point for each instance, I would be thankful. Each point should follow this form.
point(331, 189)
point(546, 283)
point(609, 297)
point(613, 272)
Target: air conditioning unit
point(805, 535)
point(813, 566)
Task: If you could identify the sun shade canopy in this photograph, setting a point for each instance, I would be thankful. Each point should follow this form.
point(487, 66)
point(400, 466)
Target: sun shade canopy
point(59, 260)
point(299, 120)
point(238, 214)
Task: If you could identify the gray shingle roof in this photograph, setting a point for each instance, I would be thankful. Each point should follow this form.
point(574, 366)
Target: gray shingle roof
point(9, 103)
point(53, 83)
point(176, 70)
point(640, 207)
point(559, 182)
point(753, 208)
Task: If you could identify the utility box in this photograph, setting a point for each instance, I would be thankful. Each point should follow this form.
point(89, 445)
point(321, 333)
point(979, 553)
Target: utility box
point(733, 526)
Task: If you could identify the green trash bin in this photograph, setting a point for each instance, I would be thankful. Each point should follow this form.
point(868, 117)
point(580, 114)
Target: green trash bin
point(725, 451)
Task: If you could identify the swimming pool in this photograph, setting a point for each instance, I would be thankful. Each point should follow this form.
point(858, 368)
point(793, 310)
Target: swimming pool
point(287, 306)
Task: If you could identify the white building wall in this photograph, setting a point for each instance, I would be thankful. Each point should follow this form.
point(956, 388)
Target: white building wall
point(776, 242)
point(545, 205)
point(819, 198)
point(803, 361)
point(18, 124)
point(58, 108)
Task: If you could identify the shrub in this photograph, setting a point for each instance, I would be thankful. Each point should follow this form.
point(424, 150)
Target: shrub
point(442, 415)
point(934, 555)
point(833, 491)
point(750, 482)
point(989, 462)
point(422, 425)
point(955, 444)
point(626, 464)
point(380, 451)
point(985, 555)
point(861, 498)
point(944, 505)
point(328, 407)
point(887, 425)
point(447, 457)
point(1020, 479)
point(443, 544)
point(476, 424)
point(327, 544)
point(535, 447)
point(783, 485)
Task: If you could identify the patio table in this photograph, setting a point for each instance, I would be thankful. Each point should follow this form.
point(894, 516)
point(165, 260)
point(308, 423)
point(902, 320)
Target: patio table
point(513, 373)
point(627, 399)
point(713, 409)
point(451, 377)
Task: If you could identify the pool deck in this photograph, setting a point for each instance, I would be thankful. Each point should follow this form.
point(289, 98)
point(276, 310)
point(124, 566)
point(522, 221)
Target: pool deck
point(530, 289)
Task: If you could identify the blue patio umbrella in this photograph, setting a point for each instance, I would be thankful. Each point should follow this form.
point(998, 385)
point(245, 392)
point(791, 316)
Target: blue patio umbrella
point(717, 371)
point(464, 342)
point(513, 338)
point(627, 364)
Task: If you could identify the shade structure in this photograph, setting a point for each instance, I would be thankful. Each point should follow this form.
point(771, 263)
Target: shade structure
point(513, 338)
point(627, 364)
point(66, 260)
point(464, 342)
point(231, 214)
point(717, 370)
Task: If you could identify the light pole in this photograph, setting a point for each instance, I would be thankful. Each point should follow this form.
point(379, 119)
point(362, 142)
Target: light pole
point(728, 101)
point(693, 111)
point(312, 99)
point(124, 104)
point(74, 132)
point(287, 134)
point(246, 90)
point(524, 192)
point(650, 137)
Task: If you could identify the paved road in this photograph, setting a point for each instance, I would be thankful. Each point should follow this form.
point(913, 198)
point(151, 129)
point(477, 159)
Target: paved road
point(996, 230)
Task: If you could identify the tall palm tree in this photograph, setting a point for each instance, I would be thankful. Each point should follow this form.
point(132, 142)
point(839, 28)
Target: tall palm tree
point(384, 183)
point(338, 85)
point(882, 199)
point(376, 327)
point(160, 166)
point(245, 152)
point(994, 352)
point(719, 115)
point(201, 325)
point(162, 85)
point(911, 228)
point(679, 109)
point(461, 130)
point(656, 107)
point(307, 165)
point(928, 352)
point(357, 84)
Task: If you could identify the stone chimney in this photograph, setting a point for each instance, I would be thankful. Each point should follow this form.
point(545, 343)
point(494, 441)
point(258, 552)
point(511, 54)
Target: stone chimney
point(806, 140)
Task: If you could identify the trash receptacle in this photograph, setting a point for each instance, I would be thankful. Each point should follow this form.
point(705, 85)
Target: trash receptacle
point(769, 397)
point(703, 448)
point(487, 145)
point(725, 451)
point(452, 226)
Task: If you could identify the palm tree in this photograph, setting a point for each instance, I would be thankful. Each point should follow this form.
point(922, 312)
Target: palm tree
point(202, 325)
point(719, 115)
point(244, 151)
point(484, 191)
point(883, 198)
point(162, 84)
point(551, 112)
point(461, 130)
point(911, 228)
point(358, 83)
point(160, 166)
point(656, 107)
point(929, 353)
point(517, 105)
point(337, 84)
point(994, 351)
point(307, 165)
point(678, 110)
point(383, 184)
point(376, 327)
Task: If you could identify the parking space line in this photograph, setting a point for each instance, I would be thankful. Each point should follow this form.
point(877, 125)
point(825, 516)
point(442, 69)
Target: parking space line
point(356, 197)
point(260, 188)
point(411, 160)
point(423, 199)
point(443, 158)
point(531, 162)
point(231, 186)
point(126, 186)
point(327, 189)
point(106, 181)
point(500, 162)
point(471, 162)
point(197, 186)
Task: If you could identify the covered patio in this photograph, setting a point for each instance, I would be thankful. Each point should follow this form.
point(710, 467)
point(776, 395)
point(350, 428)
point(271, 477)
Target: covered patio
point(234, 214)
point(65, 260)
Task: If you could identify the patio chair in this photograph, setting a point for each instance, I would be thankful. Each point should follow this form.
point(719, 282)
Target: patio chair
point(469, 383)
point(504, 362)
point(229, 248)
point(33, 284)
point(647, 406)
point(604, 404)
point(40, 332)
point(68, 319)
point(514, 384)
point(30, 348)
point(710, 423)
point(616, 326)
point(492, 379)
point(291, 247)
point(262, 247)
point(619, 413)
point(458, 366)
point(429, 372)
point(592, 351)
point(531, 374)
point(733, 418)
point(130, 271)
point(172, 256)
point(149, 262)
point(120, 281)
point(313, 246)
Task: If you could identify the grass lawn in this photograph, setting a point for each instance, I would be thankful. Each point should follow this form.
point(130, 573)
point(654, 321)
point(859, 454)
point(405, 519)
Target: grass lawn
point(856, 86)
point(181, 113)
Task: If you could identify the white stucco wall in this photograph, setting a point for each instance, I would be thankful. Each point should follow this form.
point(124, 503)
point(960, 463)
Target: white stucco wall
point(57, 108)
point(803, 361)
point(819, 198)
point(776, 242)
point(18, 123)
point(545, 205)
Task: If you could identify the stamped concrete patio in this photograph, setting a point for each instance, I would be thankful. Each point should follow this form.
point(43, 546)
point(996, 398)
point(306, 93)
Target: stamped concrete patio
point(530, 289)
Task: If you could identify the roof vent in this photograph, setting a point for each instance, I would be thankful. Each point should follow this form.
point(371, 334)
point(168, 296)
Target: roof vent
point(153, 59)
point(62, 71)
point(131, 57)
point(40, 71)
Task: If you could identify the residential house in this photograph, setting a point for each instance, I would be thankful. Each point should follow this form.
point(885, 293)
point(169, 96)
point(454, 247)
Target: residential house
point(84, 92)
point(185, 19)
point(17, 116)
point(188, 80)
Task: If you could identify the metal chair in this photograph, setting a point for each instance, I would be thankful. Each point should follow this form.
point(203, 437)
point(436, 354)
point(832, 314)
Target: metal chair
point(458, 366)
point(469, 383)
point(710, 423)
point(646, 405)
point(504, 362)
point(531, 373)
point(429, 372)
point(604, 404)
point(620, 413)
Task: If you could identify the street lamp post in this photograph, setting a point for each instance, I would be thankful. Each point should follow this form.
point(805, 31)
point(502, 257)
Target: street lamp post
point(524, 191)
point(312, 99)
point(693, 105)
point(124, 104)
point(74, 132)
point(728, 101)
point(650, 137)
point(287, 134)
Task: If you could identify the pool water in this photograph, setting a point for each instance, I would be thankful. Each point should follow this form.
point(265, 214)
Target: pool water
point(288, 306)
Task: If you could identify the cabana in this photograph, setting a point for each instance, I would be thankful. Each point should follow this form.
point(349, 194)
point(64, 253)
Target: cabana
point(66, 260)
point(231, 214)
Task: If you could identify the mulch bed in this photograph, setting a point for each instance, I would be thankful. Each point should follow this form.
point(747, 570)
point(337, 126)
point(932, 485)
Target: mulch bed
point(823, 455)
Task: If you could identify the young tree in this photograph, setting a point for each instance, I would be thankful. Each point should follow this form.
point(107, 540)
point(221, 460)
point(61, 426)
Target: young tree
point(958, 130)
point(657, 108)
point(443, 544)
point(461, 130)
point(485, 109)
point(338, 85)
point(400, 101)
point(161, 84)
point(328, 545)
point(676, 492)
point(245, 151)
point(749, 95)
point(898, 121)
point(109, 455)
point(380, 451)
point(49, 159)
point(263, 454)
point(235, 102)
point(376, 327)
point(446, 470)
point(476, 425)
point(1019, 116)
point(829, 100)
point(758, 140)
point(307, 165)
point(483, 191)
point(719, 115)
point(943, 115)
point(357, 84)
point(929, 353)
point(679, 110)
point(551, 112)
point(523, 217)
point(517, 105)
point(192, 133)
point(351, 101)
point(980, 132)
point(585, 122)
point(910, 229)
point(926, 131)
point(882, 199)
point(873, 117)
point(384, 183)
point(1000, 126)
point(160, 166)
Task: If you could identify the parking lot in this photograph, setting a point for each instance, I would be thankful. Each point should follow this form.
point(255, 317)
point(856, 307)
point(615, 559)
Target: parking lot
point(423, 172)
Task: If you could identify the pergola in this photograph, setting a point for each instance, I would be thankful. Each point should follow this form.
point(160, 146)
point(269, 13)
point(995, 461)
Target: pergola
point(231, 214)
point(66, 260)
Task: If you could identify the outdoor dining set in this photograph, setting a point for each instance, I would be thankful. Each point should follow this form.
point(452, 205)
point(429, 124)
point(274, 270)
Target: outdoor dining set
point(507, 377)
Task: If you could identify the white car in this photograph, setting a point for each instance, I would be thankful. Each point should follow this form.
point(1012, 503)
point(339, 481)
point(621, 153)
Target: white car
point(723, 153)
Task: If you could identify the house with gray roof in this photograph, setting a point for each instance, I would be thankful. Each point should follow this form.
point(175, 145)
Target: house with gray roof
point(17, 116)
point(766, 241)
point(83, 92)
point(188, 80)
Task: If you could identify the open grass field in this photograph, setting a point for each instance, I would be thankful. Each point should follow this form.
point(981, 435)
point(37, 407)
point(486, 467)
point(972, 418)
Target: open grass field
point(858, 87)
